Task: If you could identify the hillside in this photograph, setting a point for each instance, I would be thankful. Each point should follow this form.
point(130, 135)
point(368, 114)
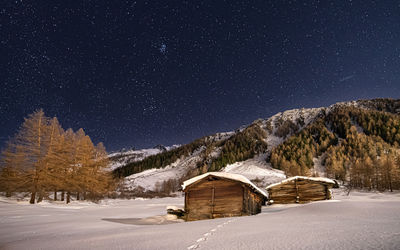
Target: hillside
point(356, 142)
point(124, 157)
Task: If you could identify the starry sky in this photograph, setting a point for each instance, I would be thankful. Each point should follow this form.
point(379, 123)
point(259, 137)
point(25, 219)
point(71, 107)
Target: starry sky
point(141, 73)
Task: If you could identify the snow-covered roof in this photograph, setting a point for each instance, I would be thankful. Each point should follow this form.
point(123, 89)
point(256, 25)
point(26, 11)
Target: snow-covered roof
point(317, 179)
point(236, 177)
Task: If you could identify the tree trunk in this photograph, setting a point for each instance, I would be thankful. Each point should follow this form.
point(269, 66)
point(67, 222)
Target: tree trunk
point(77, 196)
point(33, 197)
point(8, 194)
point(55, 195)
point(62, 195)
point(40, 198)
point(84, 195)
point(68, 197)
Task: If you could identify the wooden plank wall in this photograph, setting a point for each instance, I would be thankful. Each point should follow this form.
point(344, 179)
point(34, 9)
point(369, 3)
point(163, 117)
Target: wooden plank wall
point(214, 199)
point(252, 202)
point(299, 191)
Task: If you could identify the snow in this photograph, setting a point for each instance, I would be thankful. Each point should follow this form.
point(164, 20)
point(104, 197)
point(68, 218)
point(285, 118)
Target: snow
point(236, 177)
point(220, 136)
point(174, 207)
point(257, 170)
point(319, 179)
point(272, 141)
point(149, 151)
point(319, 168)
point(359, 129)
point(361, 220)
point(306, 114)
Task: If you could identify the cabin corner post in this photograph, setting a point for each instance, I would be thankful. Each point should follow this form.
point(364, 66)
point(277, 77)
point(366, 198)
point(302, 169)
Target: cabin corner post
point(212, 201)
point(186, 201)
point(244, 202)
point(327, 193)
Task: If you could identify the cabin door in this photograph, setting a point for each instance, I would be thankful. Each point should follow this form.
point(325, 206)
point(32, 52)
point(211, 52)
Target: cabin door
point(200, 202)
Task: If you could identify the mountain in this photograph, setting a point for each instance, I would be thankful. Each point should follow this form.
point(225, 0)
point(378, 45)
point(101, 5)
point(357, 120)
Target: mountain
point(124, 157)
point(356, 142)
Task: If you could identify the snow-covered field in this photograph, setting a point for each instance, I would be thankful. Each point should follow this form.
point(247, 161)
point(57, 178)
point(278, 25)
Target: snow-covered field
point(359, 221)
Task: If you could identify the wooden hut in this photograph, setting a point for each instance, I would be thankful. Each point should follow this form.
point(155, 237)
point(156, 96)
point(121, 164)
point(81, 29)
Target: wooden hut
point(300, 189)
point(217, 194)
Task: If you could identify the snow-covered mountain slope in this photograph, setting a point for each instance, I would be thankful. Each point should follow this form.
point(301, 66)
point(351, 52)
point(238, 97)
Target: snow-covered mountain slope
point(282, 125)
point(150, 180)
point(123, 158)
point(277, 128)
point(256, 170)
point(212, 153)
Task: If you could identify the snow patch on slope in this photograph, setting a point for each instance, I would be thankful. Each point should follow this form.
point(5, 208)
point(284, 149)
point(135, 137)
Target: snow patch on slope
point(307, 115)
point(273, 141)
point(256, 170)
point(319, 168)
point(300, 117)
point(220, 136)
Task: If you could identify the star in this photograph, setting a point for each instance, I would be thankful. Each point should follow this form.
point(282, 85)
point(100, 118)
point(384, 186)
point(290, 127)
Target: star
point(163, 48)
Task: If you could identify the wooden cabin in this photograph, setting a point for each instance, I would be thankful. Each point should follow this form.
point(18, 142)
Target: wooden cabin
point(300, 189)
point(217, 194)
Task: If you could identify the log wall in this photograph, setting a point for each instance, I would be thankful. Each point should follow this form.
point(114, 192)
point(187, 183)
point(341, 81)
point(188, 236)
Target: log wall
point(299, 191)
point(213, 199)
point(252, 202)
point(216, 198)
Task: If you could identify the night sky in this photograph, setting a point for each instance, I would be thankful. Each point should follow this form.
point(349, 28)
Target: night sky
point(141, 73)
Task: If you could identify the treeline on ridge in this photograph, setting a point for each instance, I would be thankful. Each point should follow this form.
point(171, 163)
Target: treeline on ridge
point(241, 146)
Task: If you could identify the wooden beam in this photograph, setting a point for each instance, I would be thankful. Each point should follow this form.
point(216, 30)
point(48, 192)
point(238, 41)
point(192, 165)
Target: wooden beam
point(212, 201)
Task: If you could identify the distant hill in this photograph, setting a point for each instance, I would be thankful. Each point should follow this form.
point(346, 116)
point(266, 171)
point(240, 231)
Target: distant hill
point(124, 157)
point(356, 142)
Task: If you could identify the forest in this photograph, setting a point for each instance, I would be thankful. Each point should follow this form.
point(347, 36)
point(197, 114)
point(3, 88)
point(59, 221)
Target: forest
point(357, 145)
point(45, 160)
